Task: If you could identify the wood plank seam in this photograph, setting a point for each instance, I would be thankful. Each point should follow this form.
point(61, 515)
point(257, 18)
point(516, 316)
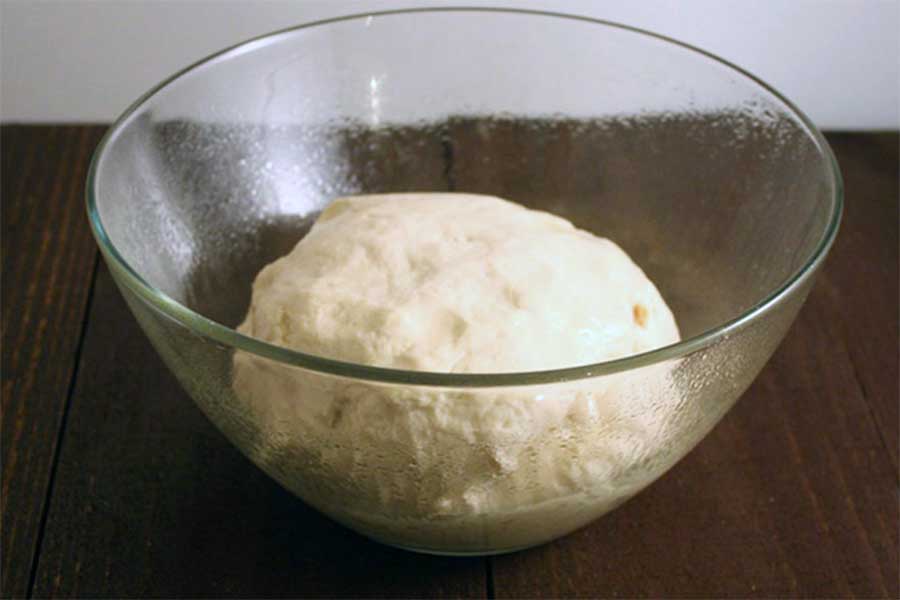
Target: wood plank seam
point(842, 483)
point(870, 410)
point(157, 504)
point(47, 261)
point(851, 540)
point(490, 592)
point(45, 508)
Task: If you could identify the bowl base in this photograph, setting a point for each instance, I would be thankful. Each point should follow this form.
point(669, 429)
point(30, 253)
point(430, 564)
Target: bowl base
point(461, 554)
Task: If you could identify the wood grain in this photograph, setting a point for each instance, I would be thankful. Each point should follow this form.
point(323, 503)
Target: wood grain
point(48, 260)
point(861, 283)
point(792, 495)
point(141, 465)
point(152, 500)
point(780, 500)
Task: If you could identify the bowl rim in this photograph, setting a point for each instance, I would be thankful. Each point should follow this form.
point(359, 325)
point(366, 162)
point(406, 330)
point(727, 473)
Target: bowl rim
point(231, 338)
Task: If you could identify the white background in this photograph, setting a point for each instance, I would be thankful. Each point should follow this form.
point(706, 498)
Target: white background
point(79, 60)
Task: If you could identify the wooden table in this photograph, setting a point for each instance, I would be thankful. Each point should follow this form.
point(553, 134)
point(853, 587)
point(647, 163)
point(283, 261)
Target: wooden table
point(114, 484)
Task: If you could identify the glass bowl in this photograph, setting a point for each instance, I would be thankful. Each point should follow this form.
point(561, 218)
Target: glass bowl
point(719, 188)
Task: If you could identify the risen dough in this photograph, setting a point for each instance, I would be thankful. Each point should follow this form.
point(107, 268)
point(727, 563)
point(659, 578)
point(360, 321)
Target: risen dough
point(456, 283)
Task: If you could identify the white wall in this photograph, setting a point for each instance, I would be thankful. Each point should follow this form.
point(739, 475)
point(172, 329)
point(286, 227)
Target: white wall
point(78, 60)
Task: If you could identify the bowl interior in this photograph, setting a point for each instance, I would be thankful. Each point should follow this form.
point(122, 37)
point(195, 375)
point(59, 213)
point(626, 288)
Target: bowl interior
point(712, 183)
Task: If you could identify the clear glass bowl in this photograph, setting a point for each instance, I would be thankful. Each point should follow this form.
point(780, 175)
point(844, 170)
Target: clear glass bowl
point(721, 190)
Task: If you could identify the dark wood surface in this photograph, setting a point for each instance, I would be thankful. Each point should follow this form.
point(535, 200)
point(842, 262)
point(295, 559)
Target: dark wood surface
point(49, 259)
point(115, 485)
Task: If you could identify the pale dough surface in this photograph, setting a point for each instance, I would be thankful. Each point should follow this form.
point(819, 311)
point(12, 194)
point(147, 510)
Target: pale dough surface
point(457, 283)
